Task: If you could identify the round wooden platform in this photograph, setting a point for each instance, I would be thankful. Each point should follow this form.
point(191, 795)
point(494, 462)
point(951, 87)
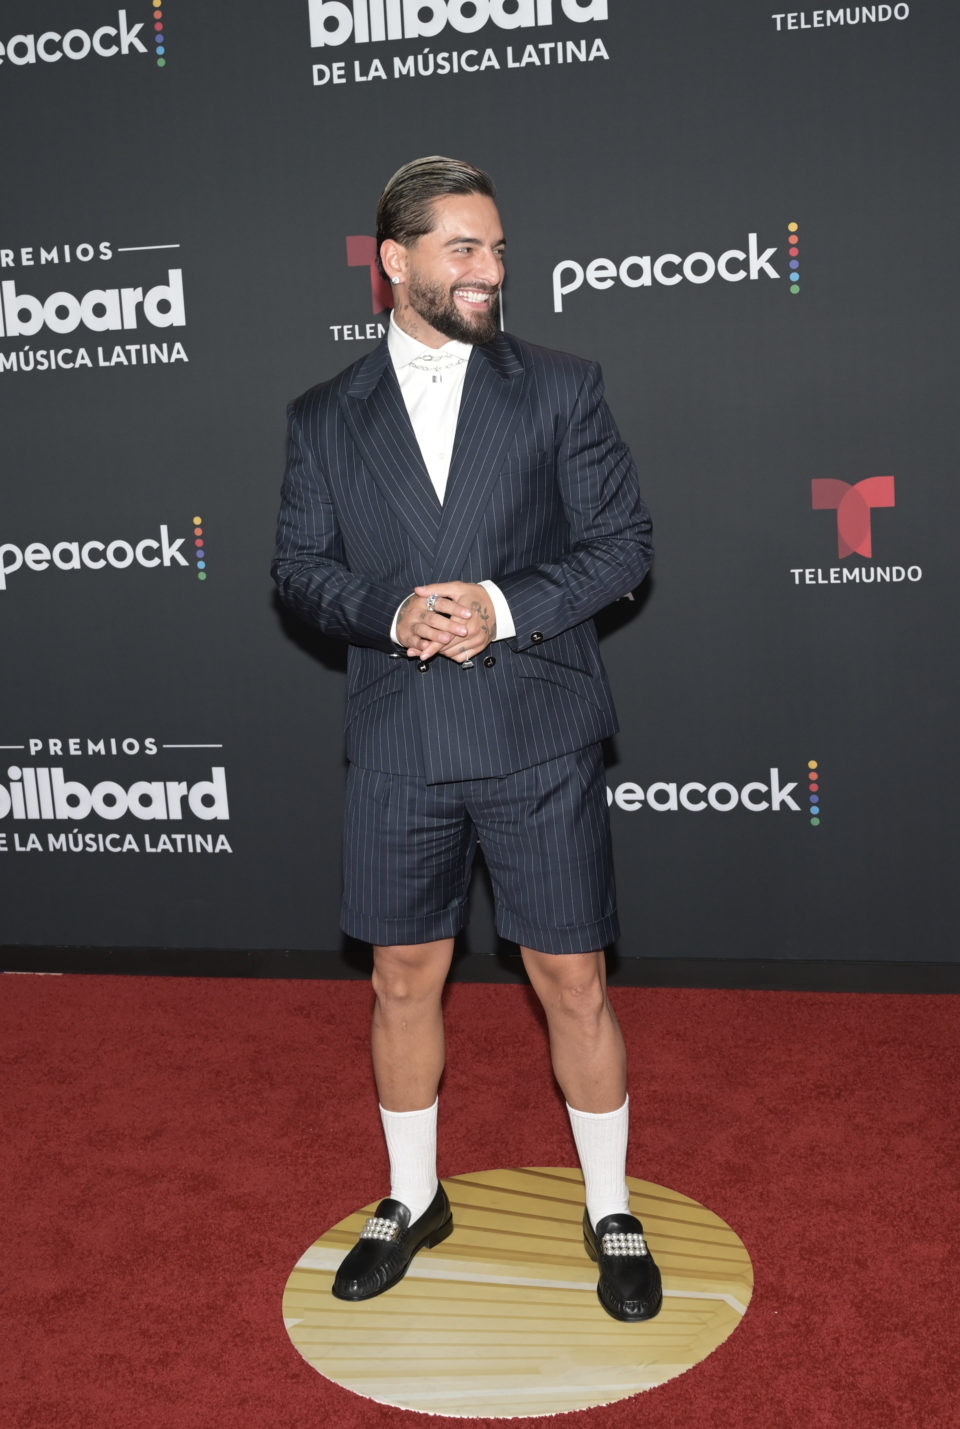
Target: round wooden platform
point(503, 1319)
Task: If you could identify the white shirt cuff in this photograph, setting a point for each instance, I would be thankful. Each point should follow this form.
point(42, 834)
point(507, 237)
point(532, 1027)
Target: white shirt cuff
point(501, 610)
point(393, 628)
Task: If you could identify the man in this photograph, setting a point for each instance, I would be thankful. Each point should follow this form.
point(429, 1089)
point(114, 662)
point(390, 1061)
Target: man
point(457, 506)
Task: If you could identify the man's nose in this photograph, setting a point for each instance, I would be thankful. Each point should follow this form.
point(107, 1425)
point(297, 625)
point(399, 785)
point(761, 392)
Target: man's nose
point(489, 268)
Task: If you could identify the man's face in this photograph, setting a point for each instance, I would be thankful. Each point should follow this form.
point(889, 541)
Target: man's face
point(452, 275)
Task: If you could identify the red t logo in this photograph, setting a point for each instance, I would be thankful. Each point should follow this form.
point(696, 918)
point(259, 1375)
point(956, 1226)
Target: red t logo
point(362, 253)
point(853, 505)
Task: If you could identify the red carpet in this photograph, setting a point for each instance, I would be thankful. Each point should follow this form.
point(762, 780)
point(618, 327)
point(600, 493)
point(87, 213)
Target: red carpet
point(171, 1146)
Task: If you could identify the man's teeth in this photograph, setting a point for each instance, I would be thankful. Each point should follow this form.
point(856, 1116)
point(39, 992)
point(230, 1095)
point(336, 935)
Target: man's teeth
point(473, 295)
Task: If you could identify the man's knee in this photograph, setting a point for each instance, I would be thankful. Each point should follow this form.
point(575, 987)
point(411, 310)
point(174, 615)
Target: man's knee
point(583, 999)
point(573, 985)
point(410, 973)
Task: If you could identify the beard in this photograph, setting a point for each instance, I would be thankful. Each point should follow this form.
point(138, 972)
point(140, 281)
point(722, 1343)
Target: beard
point(436, 306)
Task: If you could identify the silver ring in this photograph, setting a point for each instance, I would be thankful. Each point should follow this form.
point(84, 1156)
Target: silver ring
point(432, 599)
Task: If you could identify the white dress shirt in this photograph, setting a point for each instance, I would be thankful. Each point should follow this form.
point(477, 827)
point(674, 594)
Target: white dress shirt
point(431, 383)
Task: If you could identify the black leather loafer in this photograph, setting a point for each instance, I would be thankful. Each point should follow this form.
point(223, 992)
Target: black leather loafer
point(630, 1287)
point(387, 1244)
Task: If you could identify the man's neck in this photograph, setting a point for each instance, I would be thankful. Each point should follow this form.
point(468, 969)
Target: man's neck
point(408, 320)
point(403, 337)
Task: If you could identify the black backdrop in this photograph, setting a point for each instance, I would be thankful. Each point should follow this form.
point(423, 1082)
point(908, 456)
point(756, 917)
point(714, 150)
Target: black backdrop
point(199, 214)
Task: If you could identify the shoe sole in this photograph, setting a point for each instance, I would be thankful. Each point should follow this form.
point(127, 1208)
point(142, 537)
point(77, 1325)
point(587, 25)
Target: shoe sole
point(630, 1319)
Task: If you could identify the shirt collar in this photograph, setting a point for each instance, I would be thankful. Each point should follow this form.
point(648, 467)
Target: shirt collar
point(403, 348)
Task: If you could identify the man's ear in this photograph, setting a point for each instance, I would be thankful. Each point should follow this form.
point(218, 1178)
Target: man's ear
point(393, 256)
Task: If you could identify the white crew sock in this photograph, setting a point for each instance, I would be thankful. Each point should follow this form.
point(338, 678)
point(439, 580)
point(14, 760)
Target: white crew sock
point(412, 1147)
point(601, 1139)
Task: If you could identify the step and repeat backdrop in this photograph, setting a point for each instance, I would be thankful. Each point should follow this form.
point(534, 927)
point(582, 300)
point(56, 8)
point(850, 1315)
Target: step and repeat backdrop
point(746, 215)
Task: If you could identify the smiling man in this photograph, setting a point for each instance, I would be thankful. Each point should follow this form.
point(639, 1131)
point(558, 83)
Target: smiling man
point(457, 506)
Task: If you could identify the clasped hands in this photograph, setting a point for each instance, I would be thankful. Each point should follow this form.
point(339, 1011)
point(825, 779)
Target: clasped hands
point(452, 618)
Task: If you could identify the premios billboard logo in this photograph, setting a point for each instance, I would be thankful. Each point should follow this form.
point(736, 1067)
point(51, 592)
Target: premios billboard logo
point(153, 552)
point(52, 317)
point(346, 32)
point(120, 36)
point(853, 505)
point(54, 798)
point(771, 795)
point(751, 263)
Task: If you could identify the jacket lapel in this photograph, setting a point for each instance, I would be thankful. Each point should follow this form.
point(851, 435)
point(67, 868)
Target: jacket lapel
point(489, 411)
point(374, 410)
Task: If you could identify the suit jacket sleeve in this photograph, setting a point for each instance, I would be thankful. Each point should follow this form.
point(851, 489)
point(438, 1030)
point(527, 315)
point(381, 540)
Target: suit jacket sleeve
point(610, 548)
point(309, 566)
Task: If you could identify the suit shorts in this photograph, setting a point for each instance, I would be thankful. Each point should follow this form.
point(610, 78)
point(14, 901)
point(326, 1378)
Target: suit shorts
point(544, 833)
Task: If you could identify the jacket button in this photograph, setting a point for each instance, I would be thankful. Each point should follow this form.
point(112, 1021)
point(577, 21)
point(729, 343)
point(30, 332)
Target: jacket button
point(490, 661)
point(536, 636)
point(422, 666)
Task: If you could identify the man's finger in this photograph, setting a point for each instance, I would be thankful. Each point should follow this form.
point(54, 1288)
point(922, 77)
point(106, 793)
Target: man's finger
point(438, 622)
point(451, 609)
point(446, 590)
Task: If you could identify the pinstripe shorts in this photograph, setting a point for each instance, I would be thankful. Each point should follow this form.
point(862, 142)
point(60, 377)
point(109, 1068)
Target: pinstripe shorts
point(545, 836)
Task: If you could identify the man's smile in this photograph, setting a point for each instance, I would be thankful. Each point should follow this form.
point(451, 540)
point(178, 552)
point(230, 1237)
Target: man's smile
point(475, 297)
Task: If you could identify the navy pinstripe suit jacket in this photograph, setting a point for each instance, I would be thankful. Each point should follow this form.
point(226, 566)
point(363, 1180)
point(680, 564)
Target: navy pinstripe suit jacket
point(542, 498)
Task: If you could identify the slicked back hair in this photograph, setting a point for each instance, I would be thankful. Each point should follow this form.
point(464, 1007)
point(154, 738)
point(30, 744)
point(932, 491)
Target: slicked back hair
point(405, 210)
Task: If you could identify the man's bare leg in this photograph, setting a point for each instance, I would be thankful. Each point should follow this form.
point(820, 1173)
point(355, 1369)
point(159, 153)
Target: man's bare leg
point(586, 1044)
point(590, 1063)
point(407, 1036)
point(408, 1056)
